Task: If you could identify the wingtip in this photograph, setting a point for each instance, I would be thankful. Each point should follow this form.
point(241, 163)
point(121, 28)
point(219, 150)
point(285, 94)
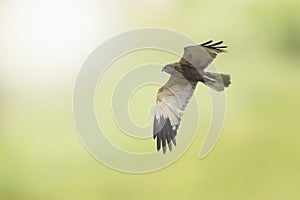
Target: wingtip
point(222, 47)
point(205, 43)
point(165, 136)
point(215, 46)
point(174, 141)
point(164, 149)
point(217, 43)
point(170, 146)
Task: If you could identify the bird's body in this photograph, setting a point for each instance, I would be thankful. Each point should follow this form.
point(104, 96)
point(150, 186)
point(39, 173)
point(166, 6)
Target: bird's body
point(173, 97)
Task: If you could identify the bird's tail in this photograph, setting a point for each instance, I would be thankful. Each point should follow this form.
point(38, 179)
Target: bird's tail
point(216, 81)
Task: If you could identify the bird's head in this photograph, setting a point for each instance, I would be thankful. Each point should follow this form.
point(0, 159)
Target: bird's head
point(170, 69)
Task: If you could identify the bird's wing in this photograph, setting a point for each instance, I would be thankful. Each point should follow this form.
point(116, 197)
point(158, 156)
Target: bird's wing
point(200, 56)
point(172, 99)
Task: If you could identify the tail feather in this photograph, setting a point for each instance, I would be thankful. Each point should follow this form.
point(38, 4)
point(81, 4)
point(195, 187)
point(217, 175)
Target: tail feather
point(217, 81)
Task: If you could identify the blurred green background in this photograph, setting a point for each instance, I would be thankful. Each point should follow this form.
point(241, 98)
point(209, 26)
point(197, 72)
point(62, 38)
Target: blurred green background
point(43, 45)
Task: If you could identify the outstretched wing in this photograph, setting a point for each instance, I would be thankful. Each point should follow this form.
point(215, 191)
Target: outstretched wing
point(200, 56)
point(172, 99)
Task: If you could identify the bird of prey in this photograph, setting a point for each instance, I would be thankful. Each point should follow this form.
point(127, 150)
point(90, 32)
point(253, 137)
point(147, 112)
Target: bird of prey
point(173, 97)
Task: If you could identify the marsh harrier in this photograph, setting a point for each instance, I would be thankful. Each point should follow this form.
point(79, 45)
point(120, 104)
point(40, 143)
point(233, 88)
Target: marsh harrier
point(173, 97)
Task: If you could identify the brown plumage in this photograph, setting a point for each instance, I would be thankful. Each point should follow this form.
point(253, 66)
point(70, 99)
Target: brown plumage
point(173, 97)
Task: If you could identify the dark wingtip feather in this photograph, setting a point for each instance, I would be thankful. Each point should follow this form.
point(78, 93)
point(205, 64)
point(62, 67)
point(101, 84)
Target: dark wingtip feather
point(170, 146)
point(165, 135)
point(205, 43)
point(174, 141)
point(220, 47)
point(215, 46)
point(158, 144)
point(164, 149)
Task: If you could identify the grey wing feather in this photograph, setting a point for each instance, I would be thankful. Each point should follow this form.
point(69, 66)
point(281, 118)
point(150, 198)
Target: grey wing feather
point(200, 56)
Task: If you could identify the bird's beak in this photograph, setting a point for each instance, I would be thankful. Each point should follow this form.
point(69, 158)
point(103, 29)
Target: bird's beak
point(163, 69)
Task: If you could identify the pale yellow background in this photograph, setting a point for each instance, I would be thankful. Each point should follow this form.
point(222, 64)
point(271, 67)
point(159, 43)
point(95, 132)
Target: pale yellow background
point(44, 43)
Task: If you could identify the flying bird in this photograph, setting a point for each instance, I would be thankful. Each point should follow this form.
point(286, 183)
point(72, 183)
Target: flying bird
point(173, 97)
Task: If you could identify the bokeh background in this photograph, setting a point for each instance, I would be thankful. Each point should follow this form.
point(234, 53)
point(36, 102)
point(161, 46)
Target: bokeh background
point(43, 45)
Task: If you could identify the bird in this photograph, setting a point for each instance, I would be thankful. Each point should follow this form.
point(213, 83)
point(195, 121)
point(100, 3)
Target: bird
point(173, 97)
